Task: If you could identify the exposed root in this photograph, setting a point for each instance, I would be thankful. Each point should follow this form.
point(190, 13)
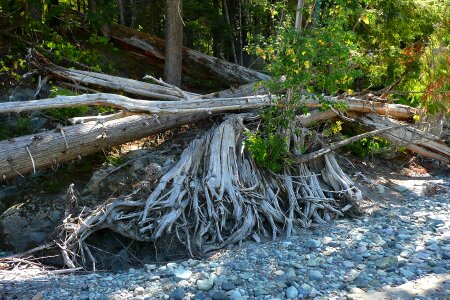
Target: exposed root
point(215, 196)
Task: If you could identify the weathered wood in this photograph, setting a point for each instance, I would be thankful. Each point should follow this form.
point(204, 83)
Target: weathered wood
point(37, 151)
point(105, 81)
point(195, 63)
point(411, 138)
point(357, 105)
point(154, 107)
point(331, 147)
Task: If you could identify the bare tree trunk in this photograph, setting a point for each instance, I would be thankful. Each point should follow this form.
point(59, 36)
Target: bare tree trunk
point(227, 18)
point(174, 43)
point(299, 15)
point(121, 14)
point(413, 139)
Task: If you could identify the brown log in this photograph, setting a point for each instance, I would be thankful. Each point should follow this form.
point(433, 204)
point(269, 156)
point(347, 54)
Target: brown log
point(37, 151)
point(195, 63)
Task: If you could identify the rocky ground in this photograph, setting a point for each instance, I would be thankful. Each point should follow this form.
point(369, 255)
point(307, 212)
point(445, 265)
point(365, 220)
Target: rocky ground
point(399, 249)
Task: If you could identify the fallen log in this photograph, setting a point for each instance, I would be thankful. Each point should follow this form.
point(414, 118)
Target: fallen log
point(105, 81)
point(195, 63)
point(153, 107)
point(29, 153)
point(411, 138)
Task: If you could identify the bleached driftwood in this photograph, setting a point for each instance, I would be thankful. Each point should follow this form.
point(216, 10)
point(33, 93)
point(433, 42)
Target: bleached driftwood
point(24, 154)
point(411, 138)
point(153, 107)
point(105, 81)
point(215, 195)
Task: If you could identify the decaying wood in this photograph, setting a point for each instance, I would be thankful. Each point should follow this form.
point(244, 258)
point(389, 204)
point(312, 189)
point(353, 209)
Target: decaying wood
point(327, 149)
point(215, 195)
point(411, 138)
point(104, 81)
point(50, 148)
point(195, 63)
point(153, 107)
point(357, 105)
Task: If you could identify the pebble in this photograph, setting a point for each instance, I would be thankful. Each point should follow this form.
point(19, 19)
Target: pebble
point(139, 291)
point(315, 275)
point(182, 274)
point(177, 294)
point(393, 246)
point(205, 284)
point(312, 243)
point(291, 292)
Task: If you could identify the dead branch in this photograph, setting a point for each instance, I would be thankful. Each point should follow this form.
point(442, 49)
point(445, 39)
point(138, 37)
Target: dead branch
point(313, 155)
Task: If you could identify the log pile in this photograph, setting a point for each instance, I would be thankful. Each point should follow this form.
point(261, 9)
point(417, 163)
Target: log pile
point(215, 195)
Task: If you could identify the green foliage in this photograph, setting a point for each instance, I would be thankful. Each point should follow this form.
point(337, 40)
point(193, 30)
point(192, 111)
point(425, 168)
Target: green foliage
point(332, 129)
point(115, 160)
point(318, 59)
point(105, 12)
point(268, 144)
point(12, 66)
point(65, 52)
point(368, 146)
point(21, 125)
point(62, 114)
point(314, 60)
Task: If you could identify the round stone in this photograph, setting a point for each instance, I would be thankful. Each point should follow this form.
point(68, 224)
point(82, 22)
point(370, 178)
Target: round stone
point(177, 294)
point(182, 274)
point(291, 292)
point(315, 275)
point(205, 284)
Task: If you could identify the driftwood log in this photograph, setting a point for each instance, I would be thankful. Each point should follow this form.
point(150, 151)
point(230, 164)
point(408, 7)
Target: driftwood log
point(87, 79)
point(411, 138)
point(29, 153)
point(215, 195)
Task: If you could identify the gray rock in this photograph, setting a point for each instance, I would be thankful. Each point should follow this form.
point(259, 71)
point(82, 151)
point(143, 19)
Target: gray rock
point(235, 295)
point(305, 290)
point(228, 286)
point(291, 292)
point(361, 281)
point(177, 294)
point(182, 274)
point(326, 240)
point(387, 262)
point(312, 243)
point(348, 264)
point(315, 275)
point(37, 123)
point(21, 94)
point(27, 225)
point(406, 273)
point(205, 284)
point(401, 188)
point(260, 291)
point(139, 290)
point(219, 295)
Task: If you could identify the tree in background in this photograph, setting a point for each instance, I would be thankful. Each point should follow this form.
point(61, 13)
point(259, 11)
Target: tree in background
point(174, 42)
